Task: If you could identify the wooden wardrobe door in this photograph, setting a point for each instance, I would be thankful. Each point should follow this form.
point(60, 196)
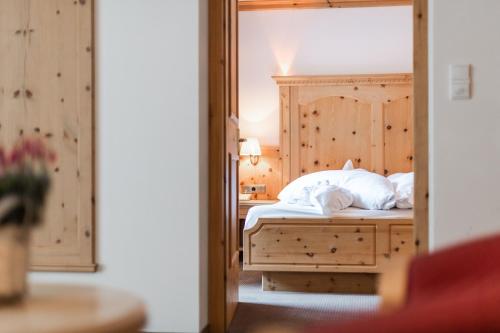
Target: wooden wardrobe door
point(46, 90)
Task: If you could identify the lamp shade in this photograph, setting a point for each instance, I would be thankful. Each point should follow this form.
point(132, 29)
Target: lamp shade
point(250, 147)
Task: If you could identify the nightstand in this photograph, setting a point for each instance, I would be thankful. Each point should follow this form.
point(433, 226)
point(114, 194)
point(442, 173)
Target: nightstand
point(245, 205)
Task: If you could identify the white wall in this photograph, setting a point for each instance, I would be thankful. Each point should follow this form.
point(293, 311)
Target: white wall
point(152, 131)
point(308, 42)
point(464, 135)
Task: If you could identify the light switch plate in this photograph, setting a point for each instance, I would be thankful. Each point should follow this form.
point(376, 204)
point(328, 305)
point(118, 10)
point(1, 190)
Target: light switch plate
point(460, 73)
point(460, 82)
point(460, 91)
point(254, 189)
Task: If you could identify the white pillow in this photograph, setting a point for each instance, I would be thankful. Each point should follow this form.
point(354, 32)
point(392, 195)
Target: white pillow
point(330, 198)
point(369, 190)
point(404, 186)
point(348, 165)
point(334, 177)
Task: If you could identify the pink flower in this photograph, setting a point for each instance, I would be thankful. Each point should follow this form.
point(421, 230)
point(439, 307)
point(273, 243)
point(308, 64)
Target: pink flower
point(15, 157)
point(26, 152)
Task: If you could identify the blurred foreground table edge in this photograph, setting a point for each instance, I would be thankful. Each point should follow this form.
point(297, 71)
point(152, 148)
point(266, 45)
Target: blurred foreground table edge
point(59, 308)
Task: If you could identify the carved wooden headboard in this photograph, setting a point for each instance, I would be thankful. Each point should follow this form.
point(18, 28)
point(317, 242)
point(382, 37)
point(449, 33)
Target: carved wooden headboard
point(327, 120)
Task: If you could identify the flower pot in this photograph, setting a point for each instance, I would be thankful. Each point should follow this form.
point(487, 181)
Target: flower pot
point(14, 262)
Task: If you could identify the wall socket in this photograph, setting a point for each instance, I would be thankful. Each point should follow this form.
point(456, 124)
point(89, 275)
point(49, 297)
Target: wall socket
point(254, 189)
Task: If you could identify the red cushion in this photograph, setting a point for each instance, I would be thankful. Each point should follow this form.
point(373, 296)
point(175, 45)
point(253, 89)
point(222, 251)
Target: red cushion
point(455, 290)
point(471, 309)
point(443, 270)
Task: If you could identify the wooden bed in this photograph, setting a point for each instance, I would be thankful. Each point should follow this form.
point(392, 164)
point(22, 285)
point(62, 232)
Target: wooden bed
point(326, 120)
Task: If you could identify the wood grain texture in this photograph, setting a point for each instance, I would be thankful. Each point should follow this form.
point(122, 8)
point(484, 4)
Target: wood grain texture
point(350, 283)
point(421, 119)
point(401, 241)
point(328, 120)
point(246, 205)
point(398, 135)
point(267, 171)
point(361, 244)
point(217, 167)
point(46, 90)
point(314, 244)
point(223, 164)
point(232, 244)
point(74, 309)
point(247, 5)
point(332, 131)
point(393, 284)
point(284, 103)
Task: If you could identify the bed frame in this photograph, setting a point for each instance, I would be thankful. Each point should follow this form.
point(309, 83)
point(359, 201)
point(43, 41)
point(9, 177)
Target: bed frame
point(326, 120)
point(325, 245)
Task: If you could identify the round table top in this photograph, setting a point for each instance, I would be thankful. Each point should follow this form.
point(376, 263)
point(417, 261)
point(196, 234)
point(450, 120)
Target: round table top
point(55, 308)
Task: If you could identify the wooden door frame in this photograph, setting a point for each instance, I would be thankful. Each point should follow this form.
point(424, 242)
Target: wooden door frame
point(217, 58)
point(421, 123)
point(217, 62)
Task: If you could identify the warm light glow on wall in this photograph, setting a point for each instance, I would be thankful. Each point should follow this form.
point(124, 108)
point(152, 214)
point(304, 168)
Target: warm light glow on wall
point(284, 50)
point(285, 68)
point(284, 58)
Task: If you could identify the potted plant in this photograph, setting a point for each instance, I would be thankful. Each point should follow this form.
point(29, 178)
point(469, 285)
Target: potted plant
point(24, 184)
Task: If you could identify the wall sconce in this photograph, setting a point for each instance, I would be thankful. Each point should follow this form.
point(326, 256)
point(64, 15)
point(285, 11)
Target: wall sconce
point(251, 147)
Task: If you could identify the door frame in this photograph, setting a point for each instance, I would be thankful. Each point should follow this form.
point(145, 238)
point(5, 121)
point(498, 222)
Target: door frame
point(217, 111)
point(217, 62)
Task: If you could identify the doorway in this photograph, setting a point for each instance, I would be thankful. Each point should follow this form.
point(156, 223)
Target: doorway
point(224, 139)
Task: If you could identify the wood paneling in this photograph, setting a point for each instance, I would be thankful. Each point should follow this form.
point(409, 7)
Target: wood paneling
point(351, 283)
point(333, 130)
point(327, 120)
point(398, 135)
point(421, 119)
point(312, 244)
point(246, 5)
point(401, 242)
point(46, 89)
point(358, 243)
point(267, 171)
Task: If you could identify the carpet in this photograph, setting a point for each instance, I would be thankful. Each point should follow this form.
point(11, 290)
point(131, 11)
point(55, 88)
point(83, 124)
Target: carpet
point(258, 308)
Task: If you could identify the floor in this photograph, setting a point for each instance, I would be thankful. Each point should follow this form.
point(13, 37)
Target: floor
point(261, 308)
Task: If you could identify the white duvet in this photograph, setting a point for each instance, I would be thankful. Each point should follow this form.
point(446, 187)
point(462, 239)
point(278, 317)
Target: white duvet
point(279, 209)
point(283, 209)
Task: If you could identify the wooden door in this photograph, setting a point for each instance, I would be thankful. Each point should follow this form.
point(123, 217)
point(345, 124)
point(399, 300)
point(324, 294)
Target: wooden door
point(232, 158)
point(224, 164)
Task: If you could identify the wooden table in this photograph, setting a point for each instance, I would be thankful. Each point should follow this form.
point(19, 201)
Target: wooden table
point(73, 309)
point(245, 205)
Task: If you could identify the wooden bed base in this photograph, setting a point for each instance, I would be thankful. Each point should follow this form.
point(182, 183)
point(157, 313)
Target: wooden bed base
point(350, 283)
point(286, 248)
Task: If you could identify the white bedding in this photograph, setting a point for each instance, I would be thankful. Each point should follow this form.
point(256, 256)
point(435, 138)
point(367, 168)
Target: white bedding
point(283, 209)
point(368, 189)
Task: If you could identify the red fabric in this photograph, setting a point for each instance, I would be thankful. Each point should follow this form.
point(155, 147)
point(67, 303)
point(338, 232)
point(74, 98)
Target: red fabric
point(453, 268)
point(455, 290)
